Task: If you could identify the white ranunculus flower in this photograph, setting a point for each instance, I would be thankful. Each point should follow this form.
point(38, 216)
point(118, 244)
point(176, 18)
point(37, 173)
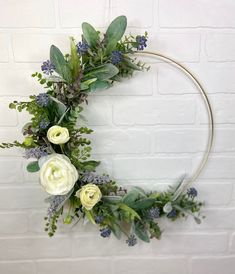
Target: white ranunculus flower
point(57, 175)
point(58, 135)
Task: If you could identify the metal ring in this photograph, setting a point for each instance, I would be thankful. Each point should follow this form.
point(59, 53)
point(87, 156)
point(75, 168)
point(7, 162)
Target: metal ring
point(207, 105)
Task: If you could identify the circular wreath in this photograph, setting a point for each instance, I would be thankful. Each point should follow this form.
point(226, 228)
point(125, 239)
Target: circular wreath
point(62, 149)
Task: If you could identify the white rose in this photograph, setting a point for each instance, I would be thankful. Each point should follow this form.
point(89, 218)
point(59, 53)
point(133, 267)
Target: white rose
point(57, 175)
point(58, 135)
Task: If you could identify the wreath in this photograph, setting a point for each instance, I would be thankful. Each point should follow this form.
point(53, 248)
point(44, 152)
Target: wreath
point(62, 150)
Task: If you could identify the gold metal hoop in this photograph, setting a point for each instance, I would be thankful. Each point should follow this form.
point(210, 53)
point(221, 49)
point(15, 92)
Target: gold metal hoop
point(206, 101)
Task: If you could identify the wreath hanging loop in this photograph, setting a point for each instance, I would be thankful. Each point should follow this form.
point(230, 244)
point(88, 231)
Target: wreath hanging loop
point(62, 150)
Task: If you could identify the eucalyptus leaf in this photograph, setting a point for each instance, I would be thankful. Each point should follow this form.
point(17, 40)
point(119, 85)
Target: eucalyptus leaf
point(103, 72)
point(33, 167)
point(90, 165)
point(61, 66)
point(115, 32)
point(141, 232)
point(90, 34)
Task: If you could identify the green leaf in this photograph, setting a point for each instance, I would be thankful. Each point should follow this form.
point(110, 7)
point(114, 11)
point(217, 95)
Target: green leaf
point(103, 72)
point(85, 85)
point(133, 195)
point(74, 60)
point(112, 199)
point(61, 66)
point(130, 211)
point(116, 230)
point(90, 34)
point(90, 165)
point(90, 216)
point(115, 32)
point(131, 64)
point(99, 85)
point(33, 167)
point(143, 203)
point(141, 232)
point(57, 107)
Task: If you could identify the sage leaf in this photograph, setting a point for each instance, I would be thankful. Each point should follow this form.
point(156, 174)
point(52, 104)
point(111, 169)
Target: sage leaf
point(99, 85)
point(115, 32)
point(141, 232)
point(61, 66)
point(103, 72)
point(90, 34)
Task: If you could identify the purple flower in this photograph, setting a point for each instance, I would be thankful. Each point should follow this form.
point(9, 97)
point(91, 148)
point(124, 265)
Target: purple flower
point(105, 232)
point(192, 192)
point(116, 57)
point(90, 177)
point(44, 123)
point(141, 41)
point(82, 47)
point(154, 212)
point(131, 241)
point(47, 67)
point(99, 219)
point(172, 214)
point(36, 152)
point(42, 99)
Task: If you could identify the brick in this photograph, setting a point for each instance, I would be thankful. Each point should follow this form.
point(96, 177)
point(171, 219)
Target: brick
point(219, 47)
point(150, 265)
point(213, 265)
point(192, 140)
point(34, 247)
point(120, 141)
point(174, 243)
point(22, 197)
point(32, 14)
point(25, 46)
point(4, 55)
point(98, 112)
point(218, 218)
point(150, 168)
point(190, 243)
point(154, 111)
point(11, 170)
point(184, 13)
point(94, 12)
point(180, 46)
point(17, 268)
point(135, 11)
point(232, 247)
point(13, 223)
point(215, 194)
point(173, 81)
point(90, 266)
point(8, 117)
point(218, 167)
point(23, 83)
point(222, 107)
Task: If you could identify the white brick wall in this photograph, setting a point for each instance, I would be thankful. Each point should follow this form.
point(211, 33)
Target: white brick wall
point(148, 131)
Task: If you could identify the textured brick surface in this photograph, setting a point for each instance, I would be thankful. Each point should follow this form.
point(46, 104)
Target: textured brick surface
point(148, 130)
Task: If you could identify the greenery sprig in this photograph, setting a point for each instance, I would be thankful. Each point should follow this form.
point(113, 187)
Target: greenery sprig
point(62, 150)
